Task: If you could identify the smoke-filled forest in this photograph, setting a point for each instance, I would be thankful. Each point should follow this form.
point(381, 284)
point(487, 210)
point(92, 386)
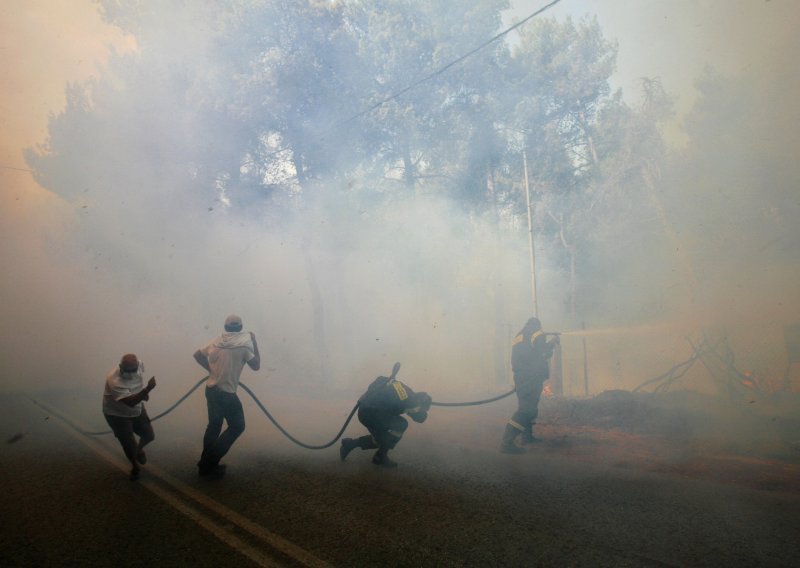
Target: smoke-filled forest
point(366, 183)
point(354, 178)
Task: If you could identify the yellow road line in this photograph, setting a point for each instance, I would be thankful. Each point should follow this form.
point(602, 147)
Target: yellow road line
point(295, 552)
point(276, 542)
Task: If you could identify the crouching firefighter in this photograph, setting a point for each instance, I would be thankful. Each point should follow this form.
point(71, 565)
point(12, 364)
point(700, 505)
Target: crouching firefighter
point(530, 354)
point(380, 409)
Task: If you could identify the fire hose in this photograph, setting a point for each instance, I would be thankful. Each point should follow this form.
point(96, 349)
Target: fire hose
point(283, 431)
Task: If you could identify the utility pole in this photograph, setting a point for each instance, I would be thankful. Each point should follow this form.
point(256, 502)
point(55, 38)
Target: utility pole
point(585, 362)
point(530, 236)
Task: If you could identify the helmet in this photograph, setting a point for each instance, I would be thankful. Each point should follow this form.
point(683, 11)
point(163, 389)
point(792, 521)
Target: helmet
point(533, 324)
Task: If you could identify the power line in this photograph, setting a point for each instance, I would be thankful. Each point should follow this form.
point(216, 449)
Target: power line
point(451, 64)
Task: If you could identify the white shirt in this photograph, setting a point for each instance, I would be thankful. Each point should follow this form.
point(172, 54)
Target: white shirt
point(227, 355)
point(122, 385)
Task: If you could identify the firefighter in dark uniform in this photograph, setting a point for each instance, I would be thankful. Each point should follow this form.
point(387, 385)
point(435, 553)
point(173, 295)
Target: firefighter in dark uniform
point(530, 353)
point(380, 409)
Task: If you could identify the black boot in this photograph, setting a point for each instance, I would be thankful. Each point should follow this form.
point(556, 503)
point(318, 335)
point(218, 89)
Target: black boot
point(528, 437)
point(210, 470)
point(508, 446)
point(381, 458)
point(348, 445)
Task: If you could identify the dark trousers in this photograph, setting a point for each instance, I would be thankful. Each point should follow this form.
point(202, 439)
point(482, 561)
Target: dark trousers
point(221, 406)
point(528, 396)
point(386, 428)
point(124, 428)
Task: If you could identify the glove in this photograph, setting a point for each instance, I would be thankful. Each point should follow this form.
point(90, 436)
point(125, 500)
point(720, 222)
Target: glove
point(424, 401)
point(419, 417)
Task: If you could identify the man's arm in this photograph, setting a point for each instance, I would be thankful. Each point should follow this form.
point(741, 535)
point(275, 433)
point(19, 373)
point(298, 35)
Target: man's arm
point(143, 394)
point(255, 362)
point(202, 360)
point(421, 402)
point(551, 346)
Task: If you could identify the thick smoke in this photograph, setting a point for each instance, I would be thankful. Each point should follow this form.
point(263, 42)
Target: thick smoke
point(151, 267)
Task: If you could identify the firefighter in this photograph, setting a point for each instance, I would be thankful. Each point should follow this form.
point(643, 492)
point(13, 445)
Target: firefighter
point(380, 409)
point(530, 353)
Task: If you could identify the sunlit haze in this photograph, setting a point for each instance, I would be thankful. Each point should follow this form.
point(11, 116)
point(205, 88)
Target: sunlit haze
point(126, 251)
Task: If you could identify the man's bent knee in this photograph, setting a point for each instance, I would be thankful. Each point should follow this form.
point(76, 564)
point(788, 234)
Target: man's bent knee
point(237, 428)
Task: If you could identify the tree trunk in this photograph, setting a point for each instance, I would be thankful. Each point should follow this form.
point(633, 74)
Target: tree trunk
point(318, 316)
point(409, 171)
point(317, 305)
point(683, 258)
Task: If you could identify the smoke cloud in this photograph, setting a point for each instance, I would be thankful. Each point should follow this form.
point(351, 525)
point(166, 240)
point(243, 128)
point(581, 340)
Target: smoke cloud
point(153, 268)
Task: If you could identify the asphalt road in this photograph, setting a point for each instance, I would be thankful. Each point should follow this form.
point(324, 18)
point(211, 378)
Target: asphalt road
point(454, 501)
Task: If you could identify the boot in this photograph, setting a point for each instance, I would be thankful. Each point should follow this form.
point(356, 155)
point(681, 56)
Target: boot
point(528, 437)
point(348, 445)
point(210, 470)
point(382, 459)
point(508, 446)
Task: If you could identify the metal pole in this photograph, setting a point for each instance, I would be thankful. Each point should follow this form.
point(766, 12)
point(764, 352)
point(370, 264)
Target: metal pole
point(530, 236)
point(585, 362)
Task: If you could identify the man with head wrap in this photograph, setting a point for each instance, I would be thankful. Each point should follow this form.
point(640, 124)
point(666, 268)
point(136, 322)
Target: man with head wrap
point(380, 409)
point(530, 353)
point(224, 358)
point(123, 408)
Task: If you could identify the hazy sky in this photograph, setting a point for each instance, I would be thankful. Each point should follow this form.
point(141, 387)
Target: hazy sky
point(675, 39)
point(43, 45)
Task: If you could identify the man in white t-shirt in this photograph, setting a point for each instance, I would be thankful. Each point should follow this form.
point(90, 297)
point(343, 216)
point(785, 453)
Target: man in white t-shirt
point(123, 408)
point(224, 358)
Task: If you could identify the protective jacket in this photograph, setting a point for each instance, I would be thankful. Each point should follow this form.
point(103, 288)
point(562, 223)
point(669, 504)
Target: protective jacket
point(390, 396)
point(530, 353)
